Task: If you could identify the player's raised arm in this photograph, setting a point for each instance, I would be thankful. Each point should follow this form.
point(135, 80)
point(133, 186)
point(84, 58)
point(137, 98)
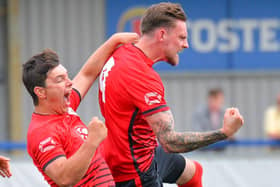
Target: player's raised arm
point(162, 124)
point(89, 72)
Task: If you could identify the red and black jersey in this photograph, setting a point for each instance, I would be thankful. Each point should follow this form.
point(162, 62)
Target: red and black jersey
point(52, 136)
point(129, 89)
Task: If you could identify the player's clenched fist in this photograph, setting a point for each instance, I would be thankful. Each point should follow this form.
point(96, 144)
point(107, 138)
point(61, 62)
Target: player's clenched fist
point(97, 131)
point(233, 120)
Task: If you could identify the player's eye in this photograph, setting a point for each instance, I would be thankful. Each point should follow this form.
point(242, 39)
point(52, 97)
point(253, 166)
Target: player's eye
point(59, 79)
point(183, 37)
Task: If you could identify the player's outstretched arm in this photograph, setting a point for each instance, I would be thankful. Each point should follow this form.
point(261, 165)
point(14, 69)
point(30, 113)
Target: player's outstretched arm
point(68, 172)
point(89, 72)
point(5, 167)
point(162, 124)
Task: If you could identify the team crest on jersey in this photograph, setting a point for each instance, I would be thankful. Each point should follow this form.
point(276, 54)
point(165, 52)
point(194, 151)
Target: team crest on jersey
point(152, 98)
point(82, 131)
point(47, 144)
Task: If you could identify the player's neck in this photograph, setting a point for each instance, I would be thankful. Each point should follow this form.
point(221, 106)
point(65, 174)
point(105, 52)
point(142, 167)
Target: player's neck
point(42, 110)
point(150, 48)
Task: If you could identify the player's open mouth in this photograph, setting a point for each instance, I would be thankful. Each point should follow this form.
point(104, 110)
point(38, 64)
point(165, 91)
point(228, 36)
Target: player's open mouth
point(66, 98)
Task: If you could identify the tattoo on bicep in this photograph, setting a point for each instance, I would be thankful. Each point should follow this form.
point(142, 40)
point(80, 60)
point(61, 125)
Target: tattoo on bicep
point(182, 141)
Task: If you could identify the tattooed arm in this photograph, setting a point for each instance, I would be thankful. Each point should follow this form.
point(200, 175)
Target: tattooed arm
point(162, 124)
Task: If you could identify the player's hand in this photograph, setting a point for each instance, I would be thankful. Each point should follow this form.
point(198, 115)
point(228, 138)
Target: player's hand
point(5, 167)
point(97, 131)
point(233, 121)
point(126, 37)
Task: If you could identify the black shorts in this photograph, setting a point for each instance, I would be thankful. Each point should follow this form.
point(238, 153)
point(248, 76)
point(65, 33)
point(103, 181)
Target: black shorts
point(165, 168)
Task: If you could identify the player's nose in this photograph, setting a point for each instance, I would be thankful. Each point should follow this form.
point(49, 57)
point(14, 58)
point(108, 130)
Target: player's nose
point(186, 44)
point(69, 82)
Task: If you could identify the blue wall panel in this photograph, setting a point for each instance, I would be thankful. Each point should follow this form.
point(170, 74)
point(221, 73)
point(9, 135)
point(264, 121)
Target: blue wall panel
point(224, 35)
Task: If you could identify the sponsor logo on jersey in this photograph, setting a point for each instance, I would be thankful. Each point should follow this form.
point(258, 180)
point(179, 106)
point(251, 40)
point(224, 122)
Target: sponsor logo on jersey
point(47, 144)
point(152, 98)
point(82, 132)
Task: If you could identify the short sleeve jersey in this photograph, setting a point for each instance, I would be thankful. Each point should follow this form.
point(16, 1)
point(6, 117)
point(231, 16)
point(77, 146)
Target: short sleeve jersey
point(129, 90)
point(52, 136)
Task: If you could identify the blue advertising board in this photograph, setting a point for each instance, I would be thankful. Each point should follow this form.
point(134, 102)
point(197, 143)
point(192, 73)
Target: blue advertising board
point(223, 34)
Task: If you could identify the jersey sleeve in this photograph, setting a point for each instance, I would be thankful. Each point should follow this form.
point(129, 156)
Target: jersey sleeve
point(147, 93)
point(75, 99)
point(45, 147)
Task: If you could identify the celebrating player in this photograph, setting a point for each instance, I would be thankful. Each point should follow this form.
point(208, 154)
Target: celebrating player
point(63, 149)
point(132, 102)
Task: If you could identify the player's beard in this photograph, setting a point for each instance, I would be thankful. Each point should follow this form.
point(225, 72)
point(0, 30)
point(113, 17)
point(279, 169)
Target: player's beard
point(173, 60)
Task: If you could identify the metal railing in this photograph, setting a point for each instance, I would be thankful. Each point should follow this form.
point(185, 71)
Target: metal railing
point(9, 146)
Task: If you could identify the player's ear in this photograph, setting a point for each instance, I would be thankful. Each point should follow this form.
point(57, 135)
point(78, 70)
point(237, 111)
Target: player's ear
point(161, 34)
point(40, 92)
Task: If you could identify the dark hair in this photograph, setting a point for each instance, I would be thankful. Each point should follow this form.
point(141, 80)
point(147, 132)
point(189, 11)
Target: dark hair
point(214, 92)
point(161, 15)
point(35, 71)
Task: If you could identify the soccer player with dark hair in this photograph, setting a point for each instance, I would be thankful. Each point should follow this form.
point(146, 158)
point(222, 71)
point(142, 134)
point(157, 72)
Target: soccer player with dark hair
point(62, 147)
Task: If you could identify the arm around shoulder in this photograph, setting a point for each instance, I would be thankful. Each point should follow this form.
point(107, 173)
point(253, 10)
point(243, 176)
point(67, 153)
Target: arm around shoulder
point(91, 69)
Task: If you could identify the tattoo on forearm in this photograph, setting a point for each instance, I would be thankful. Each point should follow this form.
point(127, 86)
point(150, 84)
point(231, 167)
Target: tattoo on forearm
point(183, 141)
